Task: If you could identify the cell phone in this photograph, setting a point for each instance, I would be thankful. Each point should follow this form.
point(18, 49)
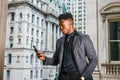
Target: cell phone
point(35, 49)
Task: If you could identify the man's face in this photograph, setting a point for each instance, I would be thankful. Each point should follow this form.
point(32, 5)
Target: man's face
point(65, 25)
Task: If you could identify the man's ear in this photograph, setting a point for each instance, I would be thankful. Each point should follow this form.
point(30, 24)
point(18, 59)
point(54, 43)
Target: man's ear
point(71, 21)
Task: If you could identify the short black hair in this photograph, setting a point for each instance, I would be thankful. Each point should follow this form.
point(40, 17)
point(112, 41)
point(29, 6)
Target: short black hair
point(65, 16)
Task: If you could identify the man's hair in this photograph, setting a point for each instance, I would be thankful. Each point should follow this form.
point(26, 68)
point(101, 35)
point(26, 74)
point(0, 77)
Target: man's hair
point(65, 16)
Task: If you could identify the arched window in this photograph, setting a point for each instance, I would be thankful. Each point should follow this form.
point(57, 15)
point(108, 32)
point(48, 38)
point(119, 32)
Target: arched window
point(111, 20)
point(19, 39)
point(11, 42)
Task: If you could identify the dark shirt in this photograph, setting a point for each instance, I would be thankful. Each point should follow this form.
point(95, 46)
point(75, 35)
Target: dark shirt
point(68, 63)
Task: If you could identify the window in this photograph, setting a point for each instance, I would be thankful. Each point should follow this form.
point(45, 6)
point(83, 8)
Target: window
point(27, 41)
point(80, 15)
point(84, 32)
point(28, 25)
point(11, 42)
point(31, 59)
point(18, 57)
point(37, 20)
point(41, 6)
point(32, 31)
point(11, 30)
point(80, 7)
point(50, 0)
point(84, 15)
point(32, 1)
point(41, 34)
point(28, 16)
point(114, 41)
point(84, 27)
point(20, 15)
point(12, 16)
point(9, 58)
point(31, 43)
point(20, 27)
point(36, 74)
point(79, 28)
point(42, 21)
point(79, 19)
point(33, 18)
point(41, 73)
point(80, 3)
point(37, 41)
point(37, 2)
point(80, 11)
point(19, 40)
point(36, 60)
point(31, 74)
point(37, 33)
point(26, 59)
point(8, 74)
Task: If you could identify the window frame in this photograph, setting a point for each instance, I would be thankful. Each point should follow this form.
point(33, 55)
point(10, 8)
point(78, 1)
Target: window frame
point(109, 41)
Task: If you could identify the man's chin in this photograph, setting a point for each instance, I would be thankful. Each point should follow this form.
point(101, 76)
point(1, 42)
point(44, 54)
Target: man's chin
point(64, 32)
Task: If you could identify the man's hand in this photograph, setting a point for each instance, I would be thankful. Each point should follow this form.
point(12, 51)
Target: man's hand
point(82, 78)
point(41, 55)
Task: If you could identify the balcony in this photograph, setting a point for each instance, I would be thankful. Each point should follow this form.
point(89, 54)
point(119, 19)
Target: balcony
point(111, 70)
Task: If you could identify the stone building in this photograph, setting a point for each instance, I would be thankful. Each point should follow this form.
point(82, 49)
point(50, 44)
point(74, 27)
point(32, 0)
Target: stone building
point(30, 22)
point(103, 26)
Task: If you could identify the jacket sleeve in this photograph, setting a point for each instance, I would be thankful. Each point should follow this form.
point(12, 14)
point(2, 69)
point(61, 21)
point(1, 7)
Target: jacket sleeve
point(91, 55)
point(54, 60)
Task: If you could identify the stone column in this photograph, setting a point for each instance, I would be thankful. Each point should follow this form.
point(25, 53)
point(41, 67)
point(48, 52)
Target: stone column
point(46, 28)
point(58, 31)
point(3, 21)
point(55, 36)
point(49, 37)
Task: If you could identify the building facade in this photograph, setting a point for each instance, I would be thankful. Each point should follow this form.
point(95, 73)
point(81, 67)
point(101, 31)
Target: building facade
point(30, 22)
point(78, 10)
point(109, 36)
point(103, 26)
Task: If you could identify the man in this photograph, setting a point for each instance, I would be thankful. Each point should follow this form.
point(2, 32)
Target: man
point(74, 53)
